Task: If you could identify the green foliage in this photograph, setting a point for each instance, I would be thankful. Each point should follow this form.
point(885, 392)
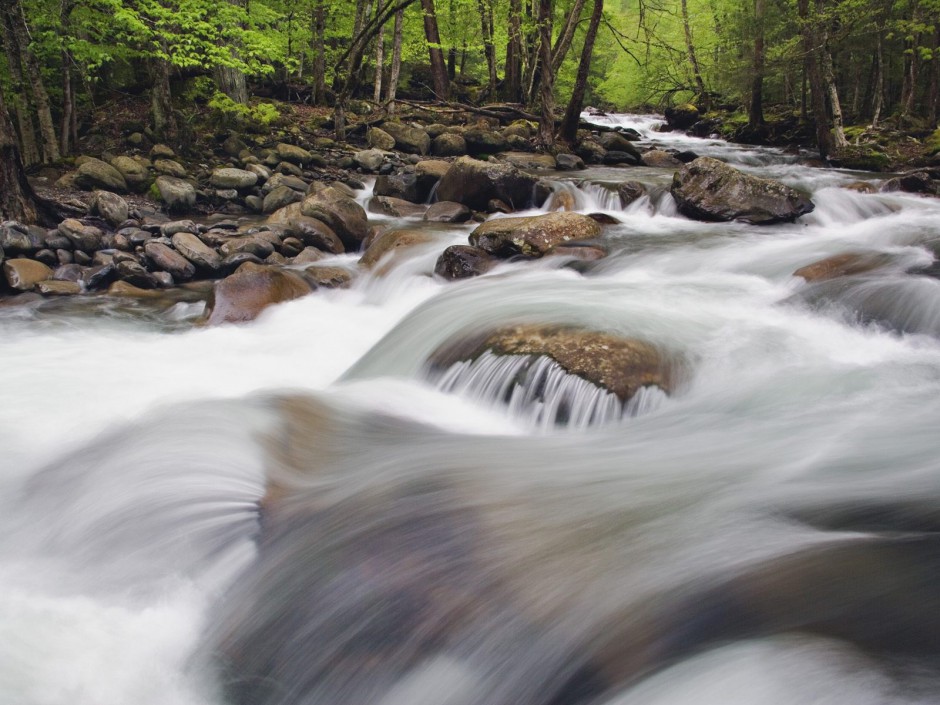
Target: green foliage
point(228, 113)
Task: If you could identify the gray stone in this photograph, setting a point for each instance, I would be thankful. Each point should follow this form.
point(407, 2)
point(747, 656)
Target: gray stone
point(710, 190)
point(463, 261)
point(292, 153)
point(170, 168)
point(369, 159)
point(170, 261)
point(232, 178)
point(474, 183)
point(136, 175)
point(111, 207)
point(569, 162)
point(96, 174)
point(83, 237)
point(380, 139)
point(280, 197)
point(413, 140)
point(449, 145)
point(176, 194)
point(197, 252)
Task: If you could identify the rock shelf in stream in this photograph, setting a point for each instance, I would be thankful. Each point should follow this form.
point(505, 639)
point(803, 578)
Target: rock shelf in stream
point(619, 365)
point(533, 236)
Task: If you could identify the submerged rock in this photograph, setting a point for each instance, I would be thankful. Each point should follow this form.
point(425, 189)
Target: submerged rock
point(464, 261)
point(619, 365)
point(708, 189)
point(843, 265)
point(532, 236)
point(394, 240)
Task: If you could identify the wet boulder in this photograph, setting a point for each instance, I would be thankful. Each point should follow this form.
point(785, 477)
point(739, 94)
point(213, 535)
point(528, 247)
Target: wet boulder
point(24, 274)
point(406, 186)
point(659, 159)
point(394, 241)
point(622, 366)
point(474, 183)
point(169, 260)
point(532, 236)
point(449, 144)
point(681, 117)
point(448, 212)
point(83, 237)
point(197, 252)
point(630, 191)
point(914, 182)
point(413, 140)
point(243, 295)
point(396, 207)
point(710, 190)
point(843, 265)
point(569, 162)
point(314, 233)
point(463, 261)
point(341, 213)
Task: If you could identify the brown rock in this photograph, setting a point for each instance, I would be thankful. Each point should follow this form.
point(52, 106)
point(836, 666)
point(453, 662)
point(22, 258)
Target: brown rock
point(532, 236)
point(393, 240)
point(246, 293)
point(842, 265)
point(24, 274)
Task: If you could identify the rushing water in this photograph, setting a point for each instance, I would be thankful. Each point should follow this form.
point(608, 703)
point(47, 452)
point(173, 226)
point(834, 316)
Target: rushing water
point(300, 510)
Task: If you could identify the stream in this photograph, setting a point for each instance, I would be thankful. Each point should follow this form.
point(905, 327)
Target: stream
point(301, 511)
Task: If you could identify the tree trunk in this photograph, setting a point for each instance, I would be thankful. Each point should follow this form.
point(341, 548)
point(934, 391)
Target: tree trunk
point(17, 200)
point(513, 77)
point(832, 91)
point(395, 70)
point(814, 78)
point(547, 77)
point(231, 81)
point(29, 149)
point(879, 82)
point(563, 43)
point(161, 104)
point(436, 53)
point(693, 60)
point(379, 59)
point(27, 59)
point(318, 21)
point(489, 49)
point(756, 113)
point(569, 126)
point(933, 97)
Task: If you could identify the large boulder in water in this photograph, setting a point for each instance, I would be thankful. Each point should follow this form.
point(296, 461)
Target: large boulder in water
point(532, 236)
point(246, 293)
point(475, 183)
point(708, 189)
point(622, 366)
point(681, 117)
point(341, 213)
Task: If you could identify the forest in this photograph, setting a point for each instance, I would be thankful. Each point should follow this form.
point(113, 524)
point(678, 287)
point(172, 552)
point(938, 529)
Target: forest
point(833, 63)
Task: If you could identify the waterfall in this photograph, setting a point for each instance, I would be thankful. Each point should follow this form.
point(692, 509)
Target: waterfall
point(538, 390)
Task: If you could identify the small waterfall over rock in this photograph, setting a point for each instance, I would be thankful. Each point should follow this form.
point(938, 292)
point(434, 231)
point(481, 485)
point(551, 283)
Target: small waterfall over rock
point(538, 390)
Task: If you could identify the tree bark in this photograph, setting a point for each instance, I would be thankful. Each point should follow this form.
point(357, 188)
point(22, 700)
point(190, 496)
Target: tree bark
point(17, 200)
point(693, 59)
point(814, 78)
point(28, 60)
point(395, 70)
point(161, 104)
point(513, 74)
point(563, 43)
point(547, 77)
point(489, 49)
point(436, 53)
point(318, 22)
point(832, 90)
point(379, 58)
point(756, 112)
point(29, 149)
point(569, 126)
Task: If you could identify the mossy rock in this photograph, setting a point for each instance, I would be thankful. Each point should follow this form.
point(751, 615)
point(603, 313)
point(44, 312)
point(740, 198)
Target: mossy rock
point(865, 158)
point(933, 143)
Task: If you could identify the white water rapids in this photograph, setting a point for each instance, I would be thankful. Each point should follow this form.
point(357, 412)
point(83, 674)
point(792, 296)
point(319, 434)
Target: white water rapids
point(765, 536)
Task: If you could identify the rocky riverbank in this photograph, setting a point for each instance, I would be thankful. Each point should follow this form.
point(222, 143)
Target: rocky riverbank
point(147, 221)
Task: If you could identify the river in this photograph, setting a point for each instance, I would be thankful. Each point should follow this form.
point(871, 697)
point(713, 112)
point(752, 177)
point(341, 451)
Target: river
point(765, 535)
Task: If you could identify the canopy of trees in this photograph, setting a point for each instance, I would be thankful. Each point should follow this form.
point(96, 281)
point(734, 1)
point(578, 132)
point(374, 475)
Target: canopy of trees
point(835, 62)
